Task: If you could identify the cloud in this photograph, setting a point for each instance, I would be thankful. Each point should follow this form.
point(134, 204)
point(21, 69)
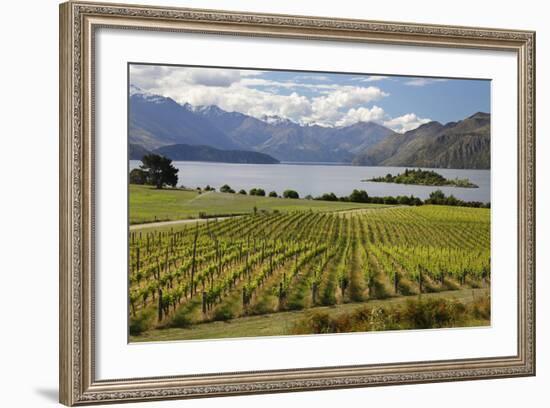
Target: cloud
point(328, 109)
point(321, 78)
point(362, 114)
point(371, 78)
point(404, 123)
point(268, 83)
point(162, 77)
point(251, 93)
point(423, 81)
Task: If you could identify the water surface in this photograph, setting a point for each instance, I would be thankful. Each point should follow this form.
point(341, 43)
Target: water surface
point(318, 178)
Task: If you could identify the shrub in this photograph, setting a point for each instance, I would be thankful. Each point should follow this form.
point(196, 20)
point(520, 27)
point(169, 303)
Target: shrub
point(243, 192)
point(433, 313)
point(138, 176)
point(328, 197)
point(142, 322)
point(415, 314)
point(257, 192)
point(273, 194)
point(181, 318)
point(226, 189)
point(359, 196)
point(223, 313)
point(481, 308)
point(314, 322)
point(266, 304)
point(290, 194)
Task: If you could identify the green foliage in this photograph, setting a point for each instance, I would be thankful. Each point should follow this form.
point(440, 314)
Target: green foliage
point(423, 178)
point(223, 313)
point(433, 313)
point(243, 192)
point(290, 194)
point(257, 192)
point(415, 314)
point(142, 322)
point(359, 196)
point(328, 197)
point(138, 176)
point(226, 189)
point(159, 170)
point(182, 318)
point(273, 194)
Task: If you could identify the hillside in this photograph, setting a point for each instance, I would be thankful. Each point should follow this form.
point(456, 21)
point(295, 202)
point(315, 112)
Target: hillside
point(158, 121)
point(464, 144)
point(136, 151)
point(184, 152)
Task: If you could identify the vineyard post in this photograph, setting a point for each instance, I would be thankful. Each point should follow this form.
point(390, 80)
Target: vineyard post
point(137, 261)
point(314, 293)
point(160, 305)
point(281, 294)
point(193, 262)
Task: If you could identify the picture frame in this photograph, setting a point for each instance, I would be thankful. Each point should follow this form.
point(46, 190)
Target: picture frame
point(79, 23)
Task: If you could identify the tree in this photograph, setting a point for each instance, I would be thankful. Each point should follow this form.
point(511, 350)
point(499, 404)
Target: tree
point(359, 196)
point(243, 192)
point(138, 176)
point(290, 194)
point(226, 189)
point(257, 192)
point(159, 170)
point(436, 197)
point(328, 197)
point(273, 194)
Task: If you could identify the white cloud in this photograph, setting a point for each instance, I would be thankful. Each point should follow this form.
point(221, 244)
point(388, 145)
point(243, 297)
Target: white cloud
point(402, 124)
point(328, 109)
point(163, 77)
point(371, 78)
point(322, 78)
point(261, 82)
point(362, 114)
point(423, 81)
point(247, 92)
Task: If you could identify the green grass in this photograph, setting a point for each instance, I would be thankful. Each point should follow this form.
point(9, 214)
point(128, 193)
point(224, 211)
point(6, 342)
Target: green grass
point(148, 204)
point(281, 323)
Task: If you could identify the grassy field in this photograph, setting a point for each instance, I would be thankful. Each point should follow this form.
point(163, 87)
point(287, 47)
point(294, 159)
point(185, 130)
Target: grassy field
point(281, 324)
point(148, 204)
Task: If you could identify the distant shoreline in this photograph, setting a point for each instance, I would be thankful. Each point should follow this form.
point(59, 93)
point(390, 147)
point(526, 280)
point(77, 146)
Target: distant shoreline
point(336, 164)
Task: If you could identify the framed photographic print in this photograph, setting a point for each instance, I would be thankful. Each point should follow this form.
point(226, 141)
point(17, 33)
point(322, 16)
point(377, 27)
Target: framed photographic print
point(258, 203)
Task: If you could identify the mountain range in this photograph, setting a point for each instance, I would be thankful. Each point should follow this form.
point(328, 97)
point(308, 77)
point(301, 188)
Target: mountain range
point(157, 122)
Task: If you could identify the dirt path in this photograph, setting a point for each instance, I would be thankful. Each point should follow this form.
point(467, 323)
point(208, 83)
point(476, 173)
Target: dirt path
point(175, 222)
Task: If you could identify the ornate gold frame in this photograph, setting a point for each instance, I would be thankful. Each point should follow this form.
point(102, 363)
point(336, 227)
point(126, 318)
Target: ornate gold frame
point(78, 22)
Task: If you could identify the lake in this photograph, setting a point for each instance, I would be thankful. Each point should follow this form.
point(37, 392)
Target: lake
point(318, 178)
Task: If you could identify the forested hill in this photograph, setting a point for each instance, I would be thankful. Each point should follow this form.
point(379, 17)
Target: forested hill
point(185, 152)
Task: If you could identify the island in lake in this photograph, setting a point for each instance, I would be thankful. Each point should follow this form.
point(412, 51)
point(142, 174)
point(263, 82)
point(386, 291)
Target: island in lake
point(423, 178)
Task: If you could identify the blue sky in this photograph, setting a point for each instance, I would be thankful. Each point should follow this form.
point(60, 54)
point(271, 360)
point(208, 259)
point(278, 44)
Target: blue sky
point(326, 99)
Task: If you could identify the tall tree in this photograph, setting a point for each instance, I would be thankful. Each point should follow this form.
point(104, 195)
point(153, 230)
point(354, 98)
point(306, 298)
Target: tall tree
point(159, 170)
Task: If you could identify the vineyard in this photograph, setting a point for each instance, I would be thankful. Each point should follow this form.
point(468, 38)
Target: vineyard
point(277, 261)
